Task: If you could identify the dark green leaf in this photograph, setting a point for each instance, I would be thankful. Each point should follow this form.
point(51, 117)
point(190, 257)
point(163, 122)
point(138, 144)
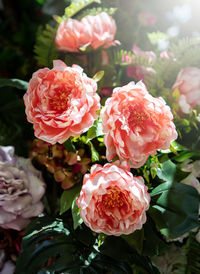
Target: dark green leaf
point(167, 172)
point(186, 155)
point(135, 239)
point(46, 238)
point(153, 243)
point(94, 152)
point(68, 197)
point(69, 145)
point(170, 209)
point(16, 83)
point(76, 213)
point(118, 249)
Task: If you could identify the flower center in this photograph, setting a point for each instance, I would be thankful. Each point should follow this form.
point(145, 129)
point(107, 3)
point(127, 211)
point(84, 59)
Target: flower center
point(137, 117)
point(112, 199)
point(60, 99)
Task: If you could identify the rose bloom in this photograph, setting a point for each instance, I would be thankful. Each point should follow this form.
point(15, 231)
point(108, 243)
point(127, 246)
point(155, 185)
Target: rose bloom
point(61, 102)
point(112, 201)
point(21, 189)
point(136, 124)
point(94, 31)
point(188, 84)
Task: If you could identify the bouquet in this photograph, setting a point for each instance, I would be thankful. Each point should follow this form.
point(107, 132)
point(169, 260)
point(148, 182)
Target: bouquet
point(100, 153)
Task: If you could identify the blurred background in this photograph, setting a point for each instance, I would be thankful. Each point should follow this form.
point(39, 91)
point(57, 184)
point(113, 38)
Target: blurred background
point(137, 20)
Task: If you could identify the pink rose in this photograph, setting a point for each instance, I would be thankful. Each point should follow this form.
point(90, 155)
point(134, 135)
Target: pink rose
point(72, 35)
point(112, 201)
point(61, 102)
point(103, 30)
point(136, 124)
point(95, 31)
point(188, 84)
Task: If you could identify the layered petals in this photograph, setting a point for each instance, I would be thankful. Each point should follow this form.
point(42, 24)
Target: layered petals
point(61, 102)
point(112, 201)
point(136, 124)
point(21, 189)
point(188, 85)
point(95, 31)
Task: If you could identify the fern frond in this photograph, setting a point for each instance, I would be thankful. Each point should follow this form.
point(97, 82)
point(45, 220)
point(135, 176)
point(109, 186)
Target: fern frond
point(45, 48)
point(95, 11)
point(184, 53)
point(124, 58)
point(182, 45)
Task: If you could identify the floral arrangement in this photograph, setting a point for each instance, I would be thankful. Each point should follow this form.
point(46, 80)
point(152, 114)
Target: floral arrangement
point(110, 180)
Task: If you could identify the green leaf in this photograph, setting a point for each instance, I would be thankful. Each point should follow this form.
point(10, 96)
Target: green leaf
point(67, 198)
point(16, 83)
point(118, 249)
point(94, 152)
point(45, 238)
point(69, 145)
point(76, 6)
point(170, 209)
point(135, 239)
point(98, 76)
point(167, 172)
point(76, 213)
point(186, 155)
point(153, 244)
point(95, 130)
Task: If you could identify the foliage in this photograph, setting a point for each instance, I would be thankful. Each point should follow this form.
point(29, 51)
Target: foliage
point(51, 244)
point(45, 49)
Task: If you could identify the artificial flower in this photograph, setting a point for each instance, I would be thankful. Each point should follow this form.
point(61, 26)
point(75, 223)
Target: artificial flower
point(22, 188)
point(95, 31)
point(112, 201)
point(61, 102)
point(188, 85)
point(136, 124)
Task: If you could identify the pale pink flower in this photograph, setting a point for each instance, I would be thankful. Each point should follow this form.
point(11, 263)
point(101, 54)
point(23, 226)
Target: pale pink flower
point(61, 102)
point(139, 72)
point(147, 18)
point(95, 31)
point(136, 124)
point(188, 84)
point(22, 188)
point(194, 169)
point(164, 54)
point(112, 201)
point(150, 55)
